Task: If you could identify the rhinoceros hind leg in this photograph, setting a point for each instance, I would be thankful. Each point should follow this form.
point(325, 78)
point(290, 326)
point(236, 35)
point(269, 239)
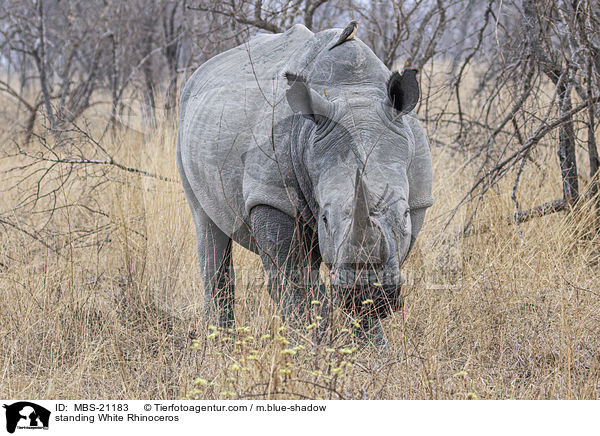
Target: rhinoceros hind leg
point(216, 265)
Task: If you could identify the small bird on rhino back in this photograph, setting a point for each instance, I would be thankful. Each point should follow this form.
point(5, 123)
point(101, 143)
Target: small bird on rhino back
point(347, 34)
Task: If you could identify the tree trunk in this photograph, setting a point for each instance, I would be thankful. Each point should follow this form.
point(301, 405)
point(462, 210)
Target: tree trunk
point(171, 54)
point(148, 114)
point(553, 70)
point(592, 149)
point(40, 61)
point(566, 147)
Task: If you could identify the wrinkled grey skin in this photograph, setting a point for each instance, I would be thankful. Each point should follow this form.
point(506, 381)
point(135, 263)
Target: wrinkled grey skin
point(301, 175)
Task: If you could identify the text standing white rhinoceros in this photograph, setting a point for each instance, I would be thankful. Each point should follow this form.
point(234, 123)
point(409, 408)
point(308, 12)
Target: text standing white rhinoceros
point(304, 155)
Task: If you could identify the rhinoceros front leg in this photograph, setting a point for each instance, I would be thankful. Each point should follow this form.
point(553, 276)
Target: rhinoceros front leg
point(216, 266)
point(371, 333)
point(291, 261)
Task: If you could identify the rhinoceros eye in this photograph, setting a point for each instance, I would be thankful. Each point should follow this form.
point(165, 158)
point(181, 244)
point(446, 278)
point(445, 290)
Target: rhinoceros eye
point(324, 219)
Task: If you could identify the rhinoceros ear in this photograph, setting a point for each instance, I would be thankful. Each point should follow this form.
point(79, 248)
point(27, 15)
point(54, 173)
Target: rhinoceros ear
point(303, 100)
point(403, 90)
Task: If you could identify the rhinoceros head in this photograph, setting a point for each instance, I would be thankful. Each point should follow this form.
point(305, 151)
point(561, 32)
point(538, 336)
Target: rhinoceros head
point(353, 154)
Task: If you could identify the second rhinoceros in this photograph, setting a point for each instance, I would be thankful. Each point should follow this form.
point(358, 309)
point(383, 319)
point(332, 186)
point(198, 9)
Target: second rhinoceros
point(304, 155)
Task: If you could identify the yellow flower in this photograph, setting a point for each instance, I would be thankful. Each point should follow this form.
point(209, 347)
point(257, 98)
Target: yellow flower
point(330, 350)
point(315, 303)
point(336, 371)
point(235, 367)
point(346, 350)
point(311, 326)
point(316, 373)
point(212, 328)
point(368, 301)
point(265, 337)
point(288, 351)
point(201, 382)
point(281, 339)
point(461, 374)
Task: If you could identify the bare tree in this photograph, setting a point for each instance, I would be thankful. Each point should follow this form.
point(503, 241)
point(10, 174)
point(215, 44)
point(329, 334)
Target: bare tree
point(61, 57)
point(530, 45)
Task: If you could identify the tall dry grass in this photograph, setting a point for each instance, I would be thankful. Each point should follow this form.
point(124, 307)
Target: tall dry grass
point(504, 312)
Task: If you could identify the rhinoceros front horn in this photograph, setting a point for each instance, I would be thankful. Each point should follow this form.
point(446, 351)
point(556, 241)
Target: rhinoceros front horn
point(366, 238)
point(361, 218)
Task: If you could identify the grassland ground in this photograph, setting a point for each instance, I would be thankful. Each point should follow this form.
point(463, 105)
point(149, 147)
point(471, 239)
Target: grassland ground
point(504, 311)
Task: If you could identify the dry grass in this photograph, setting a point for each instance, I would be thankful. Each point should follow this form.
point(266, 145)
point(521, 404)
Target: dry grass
point(501, 313)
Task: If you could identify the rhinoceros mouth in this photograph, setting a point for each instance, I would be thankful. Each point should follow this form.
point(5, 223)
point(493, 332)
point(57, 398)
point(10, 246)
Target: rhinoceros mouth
point(368, 292)
point(371, 301)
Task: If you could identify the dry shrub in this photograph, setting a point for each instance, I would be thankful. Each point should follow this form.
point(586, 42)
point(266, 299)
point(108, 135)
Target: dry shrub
point(501, 312)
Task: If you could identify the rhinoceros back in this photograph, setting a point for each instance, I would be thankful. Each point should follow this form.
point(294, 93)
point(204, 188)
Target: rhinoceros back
point(228, 107)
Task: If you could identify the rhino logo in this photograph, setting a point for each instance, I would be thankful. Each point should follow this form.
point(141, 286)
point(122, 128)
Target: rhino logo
point(28, 415)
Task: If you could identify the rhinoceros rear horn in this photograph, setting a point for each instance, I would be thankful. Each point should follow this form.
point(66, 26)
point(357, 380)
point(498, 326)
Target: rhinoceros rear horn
point(403, 90)
point(304, 100)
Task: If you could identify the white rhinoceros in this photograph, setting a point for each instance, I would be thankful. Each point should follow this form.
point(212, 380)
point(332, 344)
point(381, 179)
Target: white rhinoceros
point(304, 155)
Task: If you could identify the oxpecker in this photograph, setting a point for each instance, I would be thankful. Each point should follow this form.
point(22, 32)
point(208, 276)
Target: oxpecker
point(347, 34)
